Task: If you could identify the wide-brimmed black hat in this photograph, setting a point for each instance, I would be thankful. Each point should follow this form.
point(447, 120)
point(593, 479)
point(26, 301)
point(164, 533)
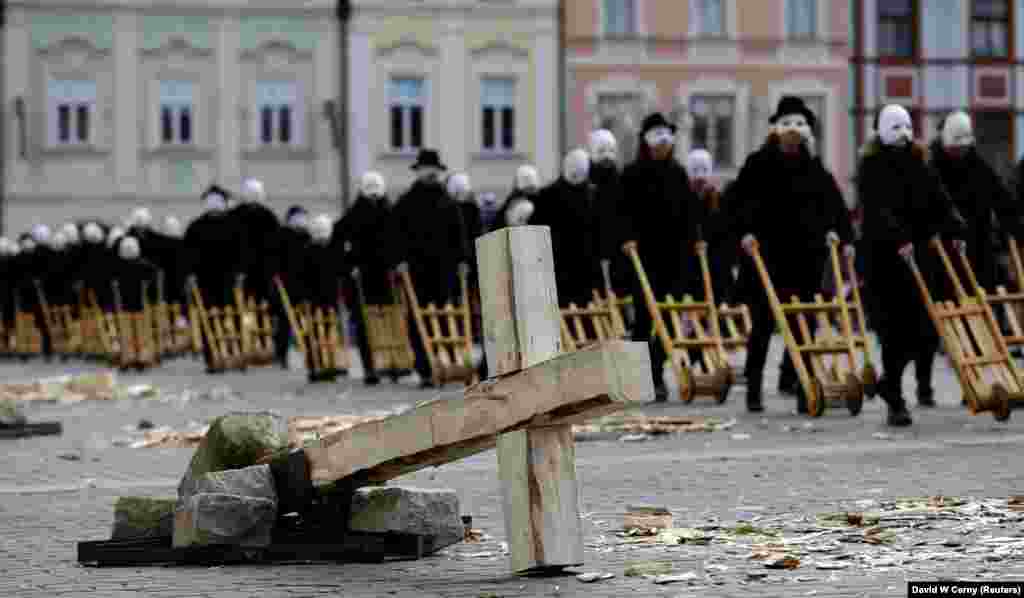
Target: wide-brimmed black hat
point(793, 105)
point(653, 121)
point(292, 211)
point(428, 158)
point(215, 188)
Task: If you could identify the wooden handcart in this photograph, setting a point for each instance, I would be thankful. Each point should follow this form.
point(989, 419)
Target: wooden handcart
point(710, 375)
point(387, 333)
point(446, 332)
point(220, 333)
point(973, 341)
point(318, 333)
point(1011, 304)
point(136, 334)
point(584, 326)
point(260, 325)
point(831, 354)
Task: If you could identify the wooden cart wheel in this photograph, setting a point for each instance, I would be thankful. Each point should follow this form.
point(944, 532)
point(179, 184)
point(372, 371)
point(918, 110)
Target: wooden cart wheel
point(686, 390)
point(1000, 403)
point(854, 394)
point(816, 403)
point(869, 378)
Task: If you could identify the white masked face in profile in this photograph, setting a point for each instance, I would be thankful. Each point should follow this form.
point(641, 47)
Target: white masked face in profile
point(372, 185)
point(699, 164)
point(428, 174)
point(215, 202)
point(603, 147)
point(660, 136)
point(957, 131)
point(895, 126)
point(796, 123)
point(527, 179)
point(520, 212)
point(576, 167)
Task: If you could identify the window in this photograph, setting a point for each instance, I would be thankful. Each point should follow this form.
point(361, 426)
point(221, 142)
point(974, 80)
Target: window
point(990, 26)
point(992, 129)
point(71, 107)
point(279, 113)
point(405, 99)
point(177, 112)
point(620, 113)
point(802, 19)
point(498, 106)
point(619, 17)
point(896, 28)
point(709, 17)
point(713, 127)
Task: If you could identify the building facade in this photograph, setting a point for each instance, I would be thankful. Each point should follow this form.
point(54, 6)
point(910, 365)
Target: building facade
point(936, 57)
point(117, 103)
point(476, 80)
point(716, 67)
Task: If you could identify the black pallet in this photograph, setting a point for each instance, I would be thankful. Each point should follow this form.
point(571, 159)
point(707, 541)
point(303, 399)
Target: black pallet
point(25, 430)
point(351, 547)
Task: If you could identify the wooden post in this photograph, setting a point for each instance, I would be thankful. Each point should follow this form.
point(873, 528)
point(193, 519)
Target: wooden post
point(537, 466)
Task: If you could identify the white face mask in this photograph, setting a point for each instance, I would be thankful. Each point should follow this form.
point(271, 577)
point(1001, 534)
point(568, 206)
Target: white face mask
point(252, 190)
point(459, 187)
point(372, 185)
point(28, 244)
point(520, 212)
point(129, 249)
point(794, 122)
point(699, 164)
point(659, 136)
point(894, 126)
point(428, 174)
point(603, 147)
point(320, 229)
point(957, 131)
point(70, 232)
point(93, 233)
point(576, 167)
point(172, 227)
point(215, 202)
point(527, 179)
point(299, 221)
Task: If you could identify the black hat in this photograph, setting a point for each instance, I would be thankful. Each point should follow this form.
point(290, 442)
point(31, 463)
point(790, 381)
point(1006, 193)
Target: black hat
point(215, 188)
point(428, 158)
point(653, 121)
point(793, 105)
point(292, 211)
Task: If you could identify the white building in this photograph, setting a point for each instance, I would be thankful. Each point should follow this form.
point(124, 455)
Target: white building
point(477, 81)
point(124, 102)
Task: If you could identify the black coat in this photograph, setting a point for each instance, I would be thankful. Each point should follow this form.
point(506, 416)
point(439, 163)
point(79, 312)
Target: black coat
point(789, 203)
point(131, 276)
point(214, 255)
point(658, 211)
point(167, 254)
point(979, 195)
point(293, 246)
point(321, 275)
point(258, 235)
point(903, 201)
point(428, 239)
point(367, 237)
point(607, 181)
point(722, 245)
point(470, 227)
point(570, 211)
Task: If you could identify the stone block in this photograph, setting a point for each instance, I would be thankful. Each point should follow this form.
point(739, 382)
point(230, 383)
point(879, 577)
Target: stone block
point(211, 518)
point(428, 512)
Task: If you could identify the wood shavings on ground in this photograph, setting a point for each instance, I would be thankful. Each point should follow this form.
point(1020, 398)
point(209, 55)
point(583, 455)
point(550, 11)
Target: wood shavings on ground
point(650, 425)
point(301, 430)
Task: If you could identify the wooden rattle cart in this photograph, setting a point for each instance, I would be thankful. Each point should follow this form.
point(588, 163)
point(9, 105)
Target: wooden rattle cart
point(387, 333)
point(219, 333)
point(973, 341)
point(710, 375)
point(447, 334)
point(318, 335)
point(831, 354)
point(584, 326)
point(1009, 304)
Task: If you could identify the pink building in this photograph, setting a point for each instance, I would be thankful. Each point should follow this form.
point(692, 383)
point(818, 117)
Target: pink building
point(717, 67)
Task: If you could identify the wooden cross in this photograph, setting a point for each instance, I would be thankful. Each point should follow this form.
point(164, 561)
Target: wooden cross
point(526, 410)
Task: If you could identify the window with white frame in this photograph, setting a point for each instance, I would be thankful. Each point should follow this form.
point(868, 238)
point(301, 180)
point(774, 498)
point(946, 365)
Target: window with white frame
point(620, 114)
point(405, 103)
point(71, 111)
point(279, 113)
point(619, 17)
point(801, 19)
point(714, 126)
point(177, 112)
point(710, 17)
point(498, 112)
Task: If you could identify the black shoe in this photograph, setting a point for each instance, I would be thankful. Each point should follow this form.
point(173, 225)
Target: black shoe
point(427, 384)
point(789, 387)
point(899, 417)
point(660, 393)
point(754, 404)
point(925, 398)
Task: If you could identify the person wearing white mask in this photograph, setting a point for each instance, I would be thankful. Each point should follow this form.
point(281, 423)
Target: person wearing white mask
point(460, 189)
point(722, 250)
point(607, 181)
point(429, 247)
point(259, 235)
point(658, 217)
point(904, 206)
point(41, 234)
point(70, 230)
point(786, 201)
point(364, 239)
point(172, 227)
point(567, 207)
point(135, 279)
point(140, 219)
point(294, 244)
point(319, 279)
point(521, 201)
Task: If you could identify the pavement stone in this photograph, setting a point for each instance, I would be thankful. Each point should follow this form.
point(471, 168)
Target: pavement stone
point(789, 466)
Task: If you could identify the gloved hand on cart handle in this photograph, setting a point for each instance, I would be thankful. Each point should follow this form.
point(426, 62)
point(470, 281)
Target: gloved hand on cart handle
point(747, 242)
point(831, 237)
point(960, 245)
point(627, 246)
point(906, 251)
point(849, 251)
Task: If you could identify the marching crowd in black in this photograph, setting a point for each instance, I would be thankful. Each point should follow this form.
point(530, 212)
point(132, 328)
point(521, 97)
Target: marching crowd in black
point(784, 202)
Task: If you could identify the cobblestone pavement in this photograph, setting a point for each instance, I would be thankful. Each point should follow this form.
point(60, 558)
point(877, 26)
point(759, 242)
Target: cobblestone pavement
point(772, 473)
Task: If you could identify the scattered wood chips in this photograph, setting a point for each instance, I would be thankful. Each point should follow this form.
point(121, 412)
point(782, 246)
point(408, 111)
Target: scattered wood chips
point(301, 429)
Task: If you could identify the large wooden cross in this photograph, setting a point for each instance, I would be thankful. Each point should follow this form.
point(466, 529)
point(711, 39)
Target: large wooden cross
point(526, 410)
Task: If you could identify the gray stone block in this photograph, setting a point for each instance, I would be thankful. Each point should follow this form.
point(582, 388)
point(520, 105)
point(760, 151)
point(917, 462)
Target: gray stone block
point(253, 482)
point(212, 518)
point(423, 511)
